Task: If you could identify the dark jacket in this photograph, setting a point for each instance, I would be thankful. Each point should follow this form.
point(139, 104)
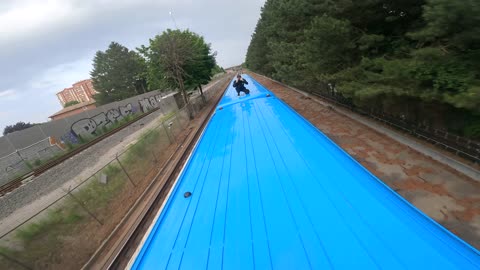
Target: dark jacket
point(240, 85)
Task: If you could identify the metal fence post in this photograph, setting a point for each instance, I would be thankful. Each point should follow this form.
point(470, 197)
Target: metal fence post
point(166, 131)
point(84, 207)
point(186, 120)
point(125, 171)
point(24, 161)
point(160, 106)
point(154, 156)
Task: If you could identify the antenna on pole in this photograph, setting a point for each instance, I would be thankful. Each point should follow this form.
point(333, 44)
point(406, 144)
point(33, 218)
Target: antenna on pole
point(173, 19)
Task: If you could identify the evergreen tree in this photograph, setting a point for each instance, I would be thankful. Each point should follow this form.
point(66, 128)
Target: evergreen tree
point(418, 59)
point(17, 127)
point(118, 73)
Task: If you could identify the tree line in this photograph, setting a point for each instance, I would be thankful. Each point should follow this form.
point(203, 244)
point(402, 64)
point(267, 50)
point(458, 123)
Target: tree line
point(176, 59)
point(17, 127)
point(416, 59)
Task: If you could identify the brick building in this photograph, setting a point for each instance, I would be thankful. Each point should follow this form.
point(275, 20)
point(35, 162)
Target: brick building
point(81, 91)
point(74, 109)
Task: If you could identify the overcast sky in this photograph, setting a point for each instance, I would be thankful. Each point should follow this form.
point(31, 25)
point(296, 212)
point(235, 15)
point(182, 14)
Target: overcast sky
point(45, 46)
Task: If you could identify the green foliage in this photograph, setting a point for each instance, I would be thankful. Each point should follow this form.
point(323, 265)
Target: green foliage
point(329, 59)
point(96, 195)
point(62, 219)
point(17, 127)
point(71, 103)
point(257, 49)
point(453, 24)
point(117, 74)
point(382, 55)
point(178, 59)
point(60, 216)
point(473, 130)
point(216, 70)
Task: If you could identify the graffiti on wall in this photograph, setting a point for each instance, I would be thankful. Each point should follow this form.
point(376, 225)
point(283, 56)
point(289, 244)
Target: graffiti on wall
point(150, 103)
point(70, 138)
point(91, 126)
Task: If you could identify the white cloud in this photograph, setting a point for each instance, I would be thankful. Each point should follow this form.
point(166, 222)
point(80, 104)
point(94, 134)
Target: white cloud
point(62, 76)
point(46, 45)
point(26, 17)
point(7, 93)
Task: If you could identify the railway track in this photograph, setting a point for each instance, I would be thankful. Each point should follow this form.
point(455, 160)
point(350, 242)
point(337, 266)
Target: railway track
point(123, 242)
point(17, 182)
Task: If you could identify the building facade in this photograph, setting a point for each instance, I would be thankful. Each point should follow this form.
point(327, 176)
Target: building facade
point(74, 109)
point(81, 91)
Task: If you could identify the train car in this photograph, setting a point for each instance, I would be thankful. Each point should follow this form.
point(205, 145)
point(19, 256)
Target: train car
point(264, 189)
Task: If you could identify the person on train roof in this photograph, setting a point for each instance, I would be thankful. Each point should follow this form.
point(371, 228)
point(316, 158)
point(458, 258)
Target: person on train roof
point(239, 85)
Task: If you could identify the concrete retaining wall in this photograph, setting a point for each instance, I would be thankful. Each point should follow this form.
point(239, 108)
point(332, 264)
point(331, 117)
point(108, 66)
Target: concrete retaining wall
point(33, 143)
point(102, 116)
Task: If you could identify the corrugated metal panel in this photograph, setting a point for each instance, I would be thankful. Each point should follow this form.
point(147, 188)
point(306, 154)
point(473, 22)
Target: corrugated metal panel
point(269, 191)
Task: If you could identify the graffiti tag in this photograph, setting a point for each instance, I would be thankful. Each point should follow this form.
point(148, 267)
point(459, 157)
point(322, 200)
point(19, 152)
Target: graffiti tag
point(150, 103)
point(90, 126)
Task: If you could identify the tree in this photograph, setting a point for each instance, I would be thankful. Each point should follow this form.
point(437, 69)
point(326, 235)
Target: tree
point(118, 73)
point(418, 59)
point(17, 127)
point(451, 24)
point(199, 69)
point(178, 59)
point(329, 59)
point(258, 50)
point(217, 69)
point(71, 103)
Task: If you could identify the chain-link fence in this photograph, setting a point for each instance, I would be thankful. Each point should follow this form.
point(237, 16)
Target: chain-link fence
point(463, 147)
point(23, 152)
point(460, 146)
point(26, 159)
point(66, 233)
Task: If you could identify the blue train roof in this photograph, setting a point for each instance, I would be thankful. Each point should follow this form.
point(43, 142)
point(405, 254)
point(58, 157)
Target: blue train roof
point(270, 191)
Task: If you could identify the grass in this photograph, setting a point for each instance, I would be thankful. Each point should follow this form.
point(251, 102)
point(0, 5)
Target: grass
point(39, 162)
point(144, 143)
point(55, 217)
point(30, 166)
point(134, 157)
point(49, 233)
point(46, 234)
point(166, 117)
point(4, 250)
point(151, 142)
point(94, 195)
